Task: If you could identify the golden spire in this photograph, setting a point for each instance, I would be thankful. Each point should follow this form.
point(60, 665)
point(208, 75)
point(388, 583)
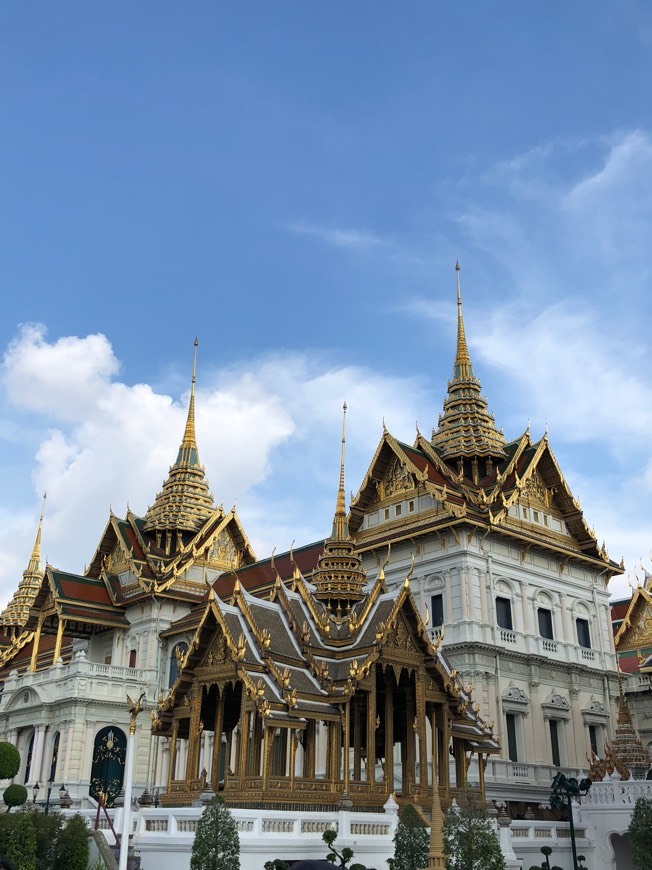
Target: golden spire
point(340, 526)
point(185, 502)
point(35, 561)
point(189, 441)
point(466, 428)
point(339, 577)
point(462, 367)
point(18, 609)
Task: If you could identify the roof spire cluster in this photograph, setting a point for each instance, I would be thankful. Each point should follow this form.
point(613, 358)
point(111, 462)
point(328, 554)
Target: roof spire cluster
point(466, 428)
point(17, 611)
point(185, 502)
point(339, 577)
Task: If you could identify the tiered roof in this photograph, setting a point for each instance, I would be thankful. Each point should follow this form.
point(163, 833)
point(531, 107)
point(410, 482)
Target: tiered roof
point(466, 428)
point(185, 502)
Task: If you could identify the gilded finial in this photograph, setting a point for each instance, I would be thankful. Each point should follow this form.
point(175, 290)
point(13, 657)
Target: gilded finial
point(340, 526)
point(35, 561)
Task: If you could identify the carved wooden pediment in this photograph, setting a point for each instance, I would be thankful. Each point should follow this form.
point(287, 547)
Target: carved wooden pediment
point(222, 552)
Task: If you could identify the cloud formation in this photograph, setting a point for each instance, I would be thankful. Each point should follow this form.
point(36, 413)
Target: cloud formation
point(266, 433)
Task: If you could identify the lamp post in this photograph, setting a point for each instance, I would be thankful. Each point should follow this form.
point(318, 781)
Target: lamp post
point(134, 709)
point(47, 800)
point(563, 792)
point(35, 790)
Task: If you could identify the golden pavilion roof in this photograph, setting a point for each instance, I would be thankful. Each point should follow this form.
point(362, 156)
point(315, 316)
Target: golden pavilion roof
point(185, 502)
point(466, 427)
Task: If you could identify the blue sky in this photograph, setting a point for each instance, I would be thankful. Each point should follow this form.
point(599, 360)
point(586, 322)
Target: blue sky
point(292, 183)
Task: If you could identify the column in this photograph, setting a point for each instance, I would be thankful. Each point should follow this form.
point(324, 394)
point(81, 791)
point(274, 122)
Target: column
point(69, 742)
point(57, 646)
point(371, 734)
point(389, 733)
point(35, 644)
point(525, 608)
point(173, 754)
point(216, 773)
point(37, 753)
point(195, 731)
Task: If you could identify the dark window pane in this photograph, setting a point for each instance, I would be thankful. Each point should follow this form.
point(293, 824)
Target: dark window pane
point(545, 623)
point(554, 742)
point(504, 613)
point(512, 747)
point(437, 604)
point(593, 737)
point(583, 633)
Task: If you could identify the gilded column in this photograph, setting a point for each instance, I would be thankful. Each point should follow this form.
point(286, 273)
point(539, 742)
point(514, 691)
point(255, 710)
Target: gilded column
point(35, 643)
point(195, 730)
point(173, 753)
point(371, 734)
point(57, 646)
point(217, 742)
point(389, 733)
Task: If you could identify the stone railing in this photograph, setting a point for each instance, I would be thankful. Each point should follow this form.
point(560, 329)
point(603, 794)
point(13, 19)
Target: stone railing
point(80, 678)
point(617, 793)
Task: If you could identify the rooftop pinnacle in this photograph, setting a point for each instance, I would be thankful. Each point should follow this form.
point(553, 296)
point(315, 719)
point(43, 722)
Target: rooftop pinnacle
point(339, 577)
point(17, 611)
point(185, 502)
point(466, 428)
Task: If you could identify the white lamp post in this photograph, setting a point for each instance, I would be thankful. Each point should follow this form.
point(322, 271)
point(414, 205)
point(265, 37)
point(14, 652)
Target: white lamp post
point(134, 710)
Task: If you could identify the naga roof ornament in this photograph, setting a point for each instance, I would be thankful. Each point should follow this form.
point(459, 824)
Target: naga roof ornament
point(339, 577)
point(466, 428)
point(185, 502)
point(17, 611)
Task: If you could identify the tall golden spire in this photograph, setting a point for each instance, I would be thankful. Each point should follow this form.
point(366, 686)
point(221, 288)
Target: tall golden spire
point(466, 428)
point(185, 502)
point(340, 525)
point(339, 577)
point(17, 611)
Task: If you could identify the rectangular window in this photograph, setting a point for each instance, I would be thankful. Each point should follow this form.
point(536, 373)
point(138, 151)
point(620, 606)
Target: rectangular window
point(504, 613)
point(411, 506)
point(132, 658)
point(398, 510)
point(545, 623)
point(107, 658)
point(545, 520)
point(512, 745)
point(583, 633)
point(535, 516)
point(386, 513)
point(437, 606)
point(554, 742)
point(524, 513)
point(593, 738)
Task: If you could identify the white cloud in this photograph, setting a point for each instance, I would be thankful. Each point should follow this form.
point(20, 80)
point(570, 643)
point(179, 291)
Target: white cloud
point(268, 435)
point(350, 239)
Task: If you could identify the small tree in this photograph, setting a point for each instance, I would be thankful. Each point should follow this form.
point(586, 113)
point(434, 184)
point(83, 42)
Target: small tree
point(9, 760)
point(411, 841)
point(344, 857)
point(47, 829)
point(640, 834)
point(216, 845)
point(470, 842)
point(20, 844)
point(71, 850)
point(15, 796)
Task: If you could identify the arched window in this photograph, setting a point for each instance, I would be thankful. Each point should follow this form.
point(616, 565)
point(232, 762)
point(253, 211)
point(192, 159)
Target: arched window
point(175, 657)
point(28, 763)
point(55, 756)
point(107, 772)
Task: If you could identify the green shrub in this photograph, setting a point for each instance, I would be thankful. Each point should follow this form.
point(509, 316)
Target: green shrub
point(9, 760)
point(640, 833)
point(47, 829)
point(470, 842)
point(20, 842)
point(71, 850)
point(216, 845)
point(411, 841)
point(15, 796)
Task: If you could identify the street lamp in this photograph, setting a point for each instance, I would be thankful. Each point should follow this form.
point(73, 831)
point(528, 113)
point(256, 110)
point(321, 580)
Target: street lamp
point(563, 792)
point(47, 800)
point(35, 790)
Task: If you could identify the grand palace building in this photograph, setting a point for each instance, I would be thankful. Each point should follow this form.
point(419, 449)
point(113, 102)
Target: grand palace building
point(454, 625)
